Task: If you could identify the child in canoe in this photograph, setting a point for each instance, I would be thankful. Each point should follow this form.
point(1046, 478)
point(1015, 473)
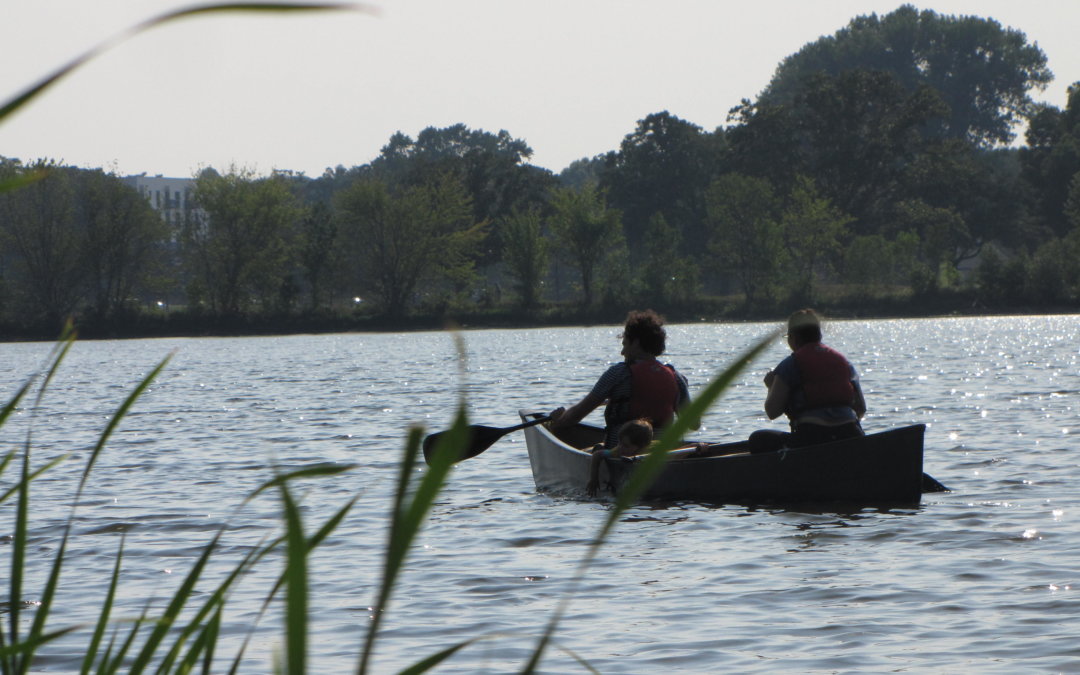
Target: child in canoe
point(634, 437)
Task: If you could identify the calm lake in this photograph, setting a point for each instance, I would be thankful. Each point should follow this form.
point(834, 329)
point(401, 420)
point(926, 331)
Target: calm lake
point(983, 579)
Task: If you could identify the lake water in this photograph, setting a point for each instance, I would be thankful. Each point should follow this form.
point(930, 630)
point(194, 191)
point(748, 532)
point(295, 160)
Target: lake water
point(983, 579)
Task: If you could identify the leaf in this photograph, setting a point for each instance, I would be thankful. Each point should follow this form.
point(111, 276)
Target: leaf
point(39, 87)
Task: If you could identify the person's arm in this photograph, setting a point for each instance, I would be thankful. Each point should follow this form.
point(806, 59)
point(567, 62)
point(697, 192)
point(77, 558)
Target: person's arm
point(684, 400)
point(570, 416)
point(593, 486)
point(859, 404)
point(776, 401)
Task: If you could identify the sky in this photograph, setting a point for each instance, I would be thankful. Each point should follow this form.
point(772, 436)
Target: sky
point(306, 92)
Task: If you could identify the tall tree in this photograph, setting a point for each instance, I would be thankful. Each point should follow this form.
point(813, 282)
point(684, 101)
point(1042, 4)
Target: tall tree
point(491, 167)
point(241, 243)
point(46, 261)
point(746, 234)
point(125, 240)
point(587, 230)
point(856, 133)
point(666, 275)
point(320, 252)
point(815, 231)
point(405, 240)
point(1051, 160)
point(982, 71)
point(664, 167)
point(525, 254)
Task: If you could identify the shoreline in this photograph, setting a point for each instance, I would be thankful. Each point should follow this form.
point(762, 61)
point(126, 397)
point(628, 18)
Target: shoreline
point(182, 325)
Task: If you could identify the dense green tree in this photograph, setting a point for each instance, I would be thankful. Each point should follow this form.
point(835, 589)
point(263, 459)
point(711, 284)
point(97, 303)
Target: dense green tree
point(320, 251)
point(982, 71)
point(856, 133)
point(746, 234)
point(587, 231)
point(666, 275)
point(1051, 160)
point(240, 245)
point(981, 186)
point(664, 167)
point(583, 171)
point(492, 168)
point(45, 259)
point(403, 241)
point(815, 232)
point(943, 235)
point(526, 254)
point(125, 241)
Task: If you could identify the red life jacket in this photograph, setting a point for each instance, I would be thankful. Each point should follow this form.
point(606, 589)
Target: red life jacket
point(826, 377)
point(654, 392)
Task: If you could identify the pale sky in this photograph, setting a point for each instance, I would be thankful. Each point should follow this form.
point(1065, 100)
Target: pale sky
point(305, 92)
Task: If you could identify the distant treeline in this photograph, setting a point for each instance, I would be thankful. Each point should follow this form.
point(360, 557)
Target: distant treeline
point(878, 168)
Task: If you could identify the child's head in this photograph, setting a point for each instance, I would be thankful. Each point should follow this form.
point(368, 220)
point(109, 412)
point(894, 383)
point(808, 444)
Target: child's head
point(636, 435)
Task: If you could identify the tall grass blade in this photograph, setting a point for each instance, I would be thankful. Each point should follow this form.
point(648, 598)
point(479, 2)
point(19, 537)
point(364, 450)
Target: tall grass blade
point(203, 644)
point(172, 611)
point(430, 662)
point(106, 611)
point(37, 472)
point(411, 507)
point(112, 666)
point(645, 472)
point(312, 543)
point(296, 588)
point(41, 616)
point(18, 562)
point(115, 421)
point(22, 180)
point(45, 83)
point(26, 648)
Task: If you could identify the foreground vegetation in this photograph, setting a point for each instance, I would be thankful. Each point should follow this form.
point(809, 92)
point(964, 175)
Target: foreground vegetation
point(874, 174)
point(161, 640)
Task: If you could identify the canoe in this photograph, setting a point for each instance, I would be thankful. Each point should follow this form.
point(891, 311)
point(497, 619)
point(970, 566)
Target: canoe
point(879, 468)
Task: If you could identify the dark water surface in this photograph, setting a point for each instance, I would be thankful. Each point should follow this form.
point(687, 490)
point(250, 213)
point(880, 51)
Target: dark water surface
point(980, 580)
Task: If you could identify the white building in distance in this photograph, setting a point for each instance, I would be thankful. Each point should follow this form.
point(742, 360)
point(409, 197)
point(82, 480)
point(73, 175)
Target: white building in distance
point(170, 197)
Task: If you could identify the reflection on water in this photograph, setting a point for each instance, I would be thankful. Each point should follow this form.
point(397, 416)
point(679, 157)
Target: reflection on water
point(981, 579)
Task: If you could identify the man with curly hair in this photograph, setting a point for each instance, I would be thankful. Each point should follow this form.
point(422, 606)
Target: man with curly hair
point(640, 387)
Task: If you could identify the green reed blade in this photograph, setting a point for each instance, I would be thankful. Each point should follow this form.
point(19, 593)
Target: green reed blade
point(308, 472)
point(115, 421)
point(203, 644)
point(296, 588)
point(18, 560)
point(113, 666)
point(213, 630)
point(40, 617)
point(645, 472)
point(430, 662)
point(26, 649)
point(214, 604)
point(48, 465)
point(409, 513)
point(45, 83)
point(312, 543)
point(106, 610)
point(22, 180)
point(179, 599)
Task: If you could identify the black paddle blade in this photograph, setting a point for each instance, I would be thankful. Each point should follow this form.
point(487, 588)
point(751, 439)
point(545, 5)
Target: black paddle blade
point(477, 440)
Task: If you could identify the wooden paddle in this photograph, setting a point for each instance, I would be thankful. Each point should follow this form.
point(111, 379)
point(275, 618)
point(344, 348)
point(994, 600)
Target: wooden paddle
point(480, 438)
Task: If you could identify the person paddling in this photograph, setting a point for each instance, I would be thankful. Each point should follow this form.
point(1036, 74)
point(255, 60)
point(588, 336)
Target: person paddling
point(816, 387)
point(638, 388)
